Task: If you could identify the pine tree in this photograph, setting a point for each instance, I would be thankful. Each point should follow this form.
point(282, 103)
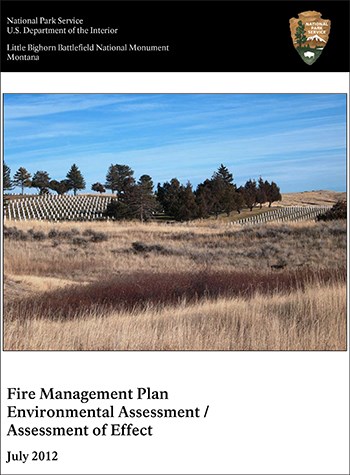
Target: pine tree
point(217, 195)
point(300, 33)
point(223, 174)
point(111, 178)
point(202, 201)
point(98, 187)
point(239, 201)
point(187, 206)
point(261, 196)
point(75, 179)
point(272, 192)
point(41, 181)
point(142, 198)
point(61, 187)
point(7, 183)
point(232, 200)
point(119, 178)
point(22, 178)
point(177, 201)
point(250, 194)
point(167, 196)
point(118, 210)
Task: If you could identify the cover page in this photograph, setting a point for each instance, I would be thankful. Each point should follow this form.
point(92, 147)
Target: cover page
point(174, 237)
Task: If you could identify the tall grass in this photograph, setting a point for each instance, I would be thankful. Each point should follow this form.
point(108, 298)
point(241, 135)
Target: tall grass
point(308, 319)
point(130, 247)
point(141, 290)
point(111, 286)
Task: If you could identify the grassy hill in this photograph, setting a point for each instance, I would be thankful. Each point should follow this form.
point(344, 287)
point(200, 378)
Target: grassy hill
point(85, 207)
point(311, 198)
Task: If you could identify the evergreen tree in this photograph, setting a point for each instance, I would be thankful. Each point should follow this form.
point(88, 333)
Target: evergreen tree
point(167, 196)
point(187, 206)
point(111, 178)
point(261, 194)
point(22, 178)
point(272, 192)
point(75, 179)
point(239, 200)
point(142, 198)
point(118, 210)
point(7, 183)
point(41, 181)
point(225, 191)
point(231, 200)
point(119, 178)
point(203, 200)
point(300, 33)
point(98, 187)
point(61, 187)
point(177, 201)
point(250, 194)
point(217, 195)
point(223, 174)
point(136, 201)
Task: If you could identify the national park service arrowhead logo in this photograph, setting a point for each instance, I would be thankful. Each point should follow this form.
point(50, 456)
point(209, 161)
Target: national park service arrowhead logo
point(310, 35)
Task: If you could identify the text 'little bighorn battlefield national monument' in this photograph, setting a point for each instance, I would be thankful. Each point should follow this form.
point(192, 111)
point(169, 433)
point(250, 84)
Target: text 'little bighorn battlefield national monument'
point(310, 33)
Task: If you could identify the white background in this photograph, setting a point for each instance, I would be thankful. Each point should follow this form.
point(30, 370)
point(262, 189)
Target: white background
point(270, 412)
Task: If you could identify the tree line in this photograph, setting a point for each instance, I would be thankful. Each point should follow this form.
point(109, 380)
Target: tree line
point(214, 196)
point(42, 181)
point(137, 199)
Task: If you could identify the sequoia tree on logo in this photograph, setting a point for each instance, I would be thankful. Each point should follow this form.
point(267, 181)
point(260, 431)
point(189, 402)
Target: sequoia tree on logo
point(310, 35)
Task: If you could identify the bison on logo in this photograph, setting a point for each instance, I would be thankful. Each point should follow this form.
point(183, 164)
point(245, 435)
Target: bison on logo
point(310, 35)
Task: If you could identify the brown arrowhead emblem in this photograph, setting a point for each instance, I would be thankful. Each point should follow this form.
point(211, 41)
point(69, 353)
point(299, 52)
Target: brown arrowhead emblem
point(310, 35)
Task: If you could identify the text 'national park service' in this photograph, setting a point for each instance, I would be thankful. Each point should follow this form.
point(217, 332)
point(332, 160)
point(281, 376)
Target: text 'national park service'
point(33, 37)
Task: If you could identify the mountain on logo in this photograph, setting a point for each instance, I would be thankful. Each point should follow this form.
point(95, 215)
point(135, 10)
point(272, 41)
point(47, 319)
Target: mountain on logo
point(316, 38)
point(310, 34)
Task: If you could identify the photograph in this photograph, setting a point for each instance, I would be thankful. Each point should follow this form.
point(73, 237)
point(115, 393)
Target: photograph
point(174, 222)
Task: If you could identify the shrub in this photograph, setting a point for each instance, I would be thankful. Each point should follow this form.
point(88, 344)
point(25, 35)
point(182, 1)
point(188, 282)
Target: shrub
point(14, 233)
point(79, 241)
point(142, 289)
point(95, 236)
point(338, 211)
point(141, 247)
point(54, 234)
point(37, 235)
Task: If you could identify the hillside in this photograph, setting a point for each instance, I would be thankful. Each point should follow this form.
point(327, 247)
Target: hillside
point(87, 207)
point(311, 198)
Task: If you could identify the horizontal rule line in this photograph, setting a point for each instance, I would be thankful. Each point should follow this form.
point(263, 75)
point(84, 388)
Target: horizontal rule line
point(161, 1)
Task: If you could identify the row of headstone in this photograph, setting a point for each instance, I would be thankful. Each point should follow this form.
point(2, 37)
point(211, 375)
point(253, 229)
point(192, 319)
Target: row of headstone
point(279, 215)
point(81, 208)
point(57, 208)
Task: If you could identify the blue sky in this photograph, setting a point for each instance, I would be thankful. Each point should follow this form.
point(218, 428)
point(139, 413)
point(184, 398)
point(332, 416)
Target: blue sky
point(296, 140)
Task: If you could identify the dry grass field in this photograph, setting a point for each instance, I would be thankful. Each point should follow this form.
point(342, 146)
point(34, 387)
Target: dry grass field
point(133, 286)
point(311, 198)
